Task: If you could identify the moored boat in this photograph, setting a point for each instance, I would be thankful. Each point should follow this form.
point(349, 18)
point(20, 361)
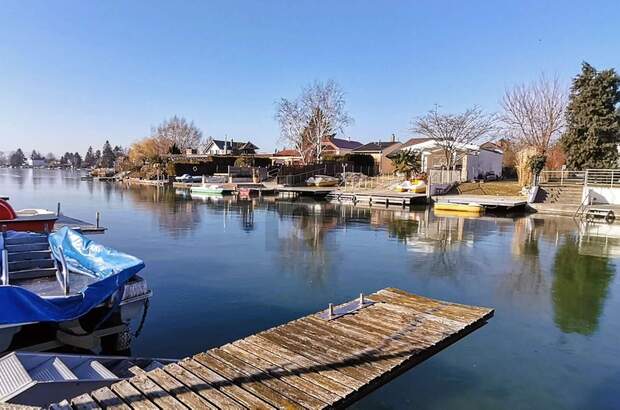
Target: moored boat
point(33, 220)
point(322, 181)
point(38, 379)
point(208, 189)
point(62, 289)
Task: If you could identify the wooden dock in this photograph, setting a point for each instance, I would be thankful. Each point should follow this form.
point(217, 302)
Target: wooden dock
point(78, 225)
point(487, 201)
point(311, 363)
point(377, 198)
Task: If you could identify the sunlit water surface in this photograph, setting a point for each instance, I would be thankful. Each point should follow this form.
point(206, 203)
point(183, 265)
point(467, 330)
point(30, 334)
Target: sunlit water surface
point(222, 269)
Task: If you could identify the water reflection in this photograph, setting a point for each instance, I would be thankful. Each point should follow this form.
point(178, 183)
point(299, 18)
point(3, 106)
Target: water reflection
point(580, 287)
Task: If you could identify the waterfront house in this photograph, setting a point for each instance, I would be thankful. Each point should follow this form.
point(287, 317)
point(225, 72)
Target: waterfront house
point(380, 152)
point(337, 146)
point(474, 161)
point(225, 147)
point(287, 157)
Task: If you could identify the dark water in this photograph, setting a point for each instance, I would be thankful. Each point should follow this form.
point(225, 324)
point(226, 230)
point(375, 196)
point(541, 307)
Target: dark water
point(223, 269)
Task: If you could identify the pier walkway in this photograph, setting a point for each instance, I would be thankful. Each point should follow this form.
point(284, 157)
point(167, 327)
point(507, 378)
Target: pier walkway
point(318, 361)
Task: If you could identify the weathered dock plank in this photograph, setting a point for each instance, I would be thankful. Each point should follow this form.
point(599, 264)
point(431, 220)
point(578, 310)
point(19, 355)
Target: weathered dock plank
point(309, 363)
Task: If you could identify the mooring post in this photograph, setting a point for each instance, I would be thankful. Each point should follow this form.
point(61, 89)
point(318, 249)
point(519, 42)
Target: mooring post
point(361, 299)
point(58, 209)
point(330, 310)
point(97, 217)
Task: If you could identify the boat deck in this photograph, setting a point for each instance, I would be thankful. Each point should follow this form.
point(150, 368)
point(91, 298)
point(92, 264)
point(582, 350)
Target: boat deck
point(314, 362)
point(50, 287)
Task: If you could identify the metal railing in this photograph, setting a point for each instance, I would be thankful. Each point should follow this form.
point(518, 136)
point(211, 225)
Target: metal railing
point(562, 177)
point(64, 272)
point(603, 177)
point(5, 267)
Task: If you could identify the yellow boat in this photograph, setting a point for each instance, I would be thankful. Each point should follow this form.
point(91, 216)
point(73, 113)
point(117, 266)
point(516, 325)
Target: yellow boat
point(468, 208)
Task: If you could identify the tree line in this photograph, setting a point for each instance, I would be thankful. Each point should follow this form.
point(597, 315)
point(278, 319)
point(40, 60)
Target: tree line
point(106, 157)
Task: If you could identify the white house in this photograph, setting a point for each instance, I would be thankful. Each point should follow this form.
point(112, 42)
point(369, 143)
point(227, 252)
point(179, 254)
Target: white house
point(36, 163)
point(219, 147)
point(474, 161)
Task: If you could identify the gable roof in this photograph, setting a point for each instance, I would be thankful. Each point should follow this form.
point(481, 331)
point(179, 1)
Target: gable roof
point(233, 145)
point(287, 153)
point(376, 146)
point(344, 144)
point(415, 141)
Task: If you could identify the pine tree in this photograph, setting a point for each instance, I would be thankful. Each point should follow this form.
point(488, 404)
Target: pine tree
point(17, 158)
point(107, 156)
point(593, 124)
point(89, 158)
point(77, 160)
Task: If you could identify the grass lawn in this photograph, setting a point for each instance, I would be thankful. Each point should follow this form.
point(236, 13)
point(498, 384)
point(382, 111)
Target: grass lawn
point(505, 188)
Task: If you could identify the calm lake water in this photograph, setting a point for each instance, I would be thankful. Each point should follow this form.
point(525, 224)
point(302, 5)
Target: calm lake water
point(222, 269)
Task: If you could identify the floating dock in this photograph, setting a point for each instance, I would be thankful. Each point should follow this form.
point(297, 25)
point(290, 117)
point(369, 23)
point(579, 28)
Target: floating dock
point(319, 361)
point(313, 191)
point(487, 201)
point(380, 198)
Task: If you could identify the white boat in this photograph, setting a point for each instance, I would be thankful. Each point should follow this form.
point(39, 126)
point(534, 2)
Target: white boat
point(39, 379)
point(322, 181)
point(209, 189)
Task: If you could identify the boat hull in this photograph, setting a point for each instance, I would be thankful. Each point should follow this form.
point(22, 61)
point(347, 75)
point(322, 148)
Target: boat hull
point(206, 190)
point(32, 225)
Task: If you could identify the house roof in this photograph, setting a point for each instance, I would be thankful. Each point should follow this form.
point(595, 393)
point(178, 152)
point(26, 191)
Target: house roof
point(375, 146)
point(287, 153)
point(415, 141)
point(344, 144)
point(491, 146)
point(233, 144)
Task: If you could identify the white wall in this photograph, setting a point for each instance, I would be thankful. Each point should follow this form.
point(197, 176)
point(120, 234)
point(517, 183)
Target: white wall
point(603, 195)
point(490, 161)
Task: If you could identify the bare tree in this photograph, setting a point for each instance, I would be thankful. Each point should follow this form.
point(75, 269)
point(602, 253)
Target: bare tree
point(316, 114)
point(177, 132)
point(454, 133)
point(534, 113)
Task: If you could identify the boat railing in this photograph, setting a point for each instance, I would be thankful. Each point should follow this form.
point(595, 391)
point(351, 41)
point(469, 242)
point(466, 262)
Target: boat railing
point(64, 272)
point(5, 266)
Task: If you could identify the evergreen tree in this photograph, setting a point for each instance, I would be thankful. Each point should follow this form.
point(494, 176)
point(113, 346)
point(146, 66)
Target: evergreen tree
point(593, 124)
point(17, 158)
point(107, 156)
point(97, 158)
point(77, 160)
point(89, 158)
point(35, 155)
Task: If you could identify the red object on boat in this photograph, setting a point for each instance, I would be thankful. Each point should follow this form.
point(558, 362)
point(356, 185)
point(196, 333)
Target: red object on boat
point(34, 220)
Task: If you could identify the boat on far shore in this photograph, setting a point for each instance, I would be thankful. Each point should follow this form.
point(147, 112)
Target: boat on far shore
point(208, 189)
point(322, 181)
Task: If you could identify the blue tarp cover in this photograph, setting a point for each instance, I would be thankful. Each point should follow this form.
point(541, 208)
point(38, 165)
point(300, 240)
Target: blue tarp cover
point(110, 268)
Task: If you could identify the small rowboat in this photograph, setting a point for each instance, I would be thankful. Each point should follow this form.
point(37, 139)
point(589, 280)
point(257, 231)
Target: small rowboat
point(465, 208)
point(322, 181)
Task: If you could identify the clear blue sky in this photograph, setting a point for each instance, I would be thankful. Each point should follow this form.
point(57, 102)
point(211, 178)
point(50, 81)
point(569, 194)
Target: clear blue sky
point(74, 73)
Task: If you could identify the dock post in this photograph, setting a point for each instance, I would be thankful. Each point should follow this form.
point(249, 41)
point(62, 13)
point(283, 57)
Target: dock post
point(330, 310)
point(58, 209)
point(361, 299)
point(97, 217)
